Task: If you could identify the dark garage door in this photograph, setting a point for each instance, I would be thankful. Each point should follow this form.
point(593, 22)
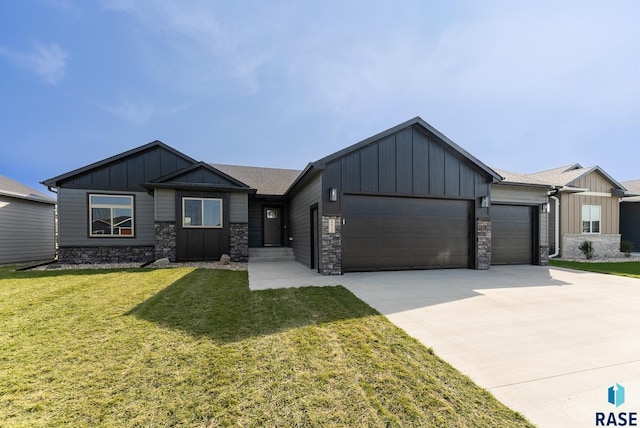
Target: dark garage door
point(511, 235)
point(386, 233)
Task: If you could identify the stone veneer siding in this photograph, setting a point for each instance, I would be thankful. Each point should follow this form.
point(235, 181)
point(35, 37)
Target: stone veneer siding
point(239, 242)
point(331, 247)
point(483, 246)
point(544, 255)
point(106, 254)
point(604, 246)
point(165, 246)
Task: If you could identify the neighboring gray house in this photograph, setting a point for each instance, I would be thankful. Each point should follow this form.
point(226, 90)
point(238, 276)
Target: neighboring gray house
point(407, 198)
point(630, 214)
point(27, 223)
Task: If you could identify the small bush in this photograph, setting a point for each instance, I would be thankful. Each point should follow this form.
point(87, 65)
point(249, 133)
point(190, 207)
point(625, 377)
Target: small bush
point(587, 249)
point(626, 247)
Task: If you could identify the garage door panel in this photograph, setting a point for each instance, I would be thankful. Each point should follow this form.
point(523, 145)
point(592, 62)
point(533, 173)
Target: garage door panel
point(511, 234)
point(404, 233)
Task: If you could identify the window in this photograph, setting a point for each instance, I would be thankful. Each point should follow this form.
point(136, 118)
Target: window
point(591, 219)
point(111, 215)
point(201, 212)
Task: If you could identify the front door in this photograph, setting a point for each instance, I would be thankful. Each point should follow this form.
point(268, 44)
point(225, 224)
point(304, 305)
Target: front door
point(272, 227)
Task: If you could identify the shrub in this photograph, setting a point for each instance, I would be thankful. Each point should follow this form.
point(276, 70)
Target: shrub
point(626, 247)
point(587, 249)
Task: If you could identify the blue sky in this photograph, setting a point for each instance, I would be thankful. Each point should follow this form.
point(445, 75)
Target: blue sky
point(523, 86)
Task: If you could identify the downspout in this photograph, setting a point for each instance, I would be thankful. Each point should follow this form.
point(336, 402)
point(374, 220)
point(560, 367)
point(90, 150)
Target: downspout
point(556, 232)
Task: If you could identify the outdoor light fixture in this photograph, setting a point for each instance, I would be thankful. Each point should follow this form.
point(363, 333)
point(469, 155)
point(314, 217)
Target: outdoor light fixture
point(545, 207)
point(484, 202)
point(333, 194)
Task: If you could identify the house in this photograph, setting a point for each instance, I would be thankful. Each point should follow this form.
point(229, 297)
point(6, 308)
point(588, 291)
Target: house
point(407, 198)
point(584, 206)
point(630, 214)
point(27, 223)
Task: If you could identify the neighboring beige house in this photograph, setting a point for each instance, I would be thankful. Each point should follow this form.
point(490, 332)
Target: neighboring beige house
point(584, 206)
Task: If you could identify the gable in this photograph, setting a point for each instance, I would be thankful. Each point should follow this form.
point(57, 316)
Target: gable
point(409, 162)
point(595, 182)
point(200, 175)
point(126, 171)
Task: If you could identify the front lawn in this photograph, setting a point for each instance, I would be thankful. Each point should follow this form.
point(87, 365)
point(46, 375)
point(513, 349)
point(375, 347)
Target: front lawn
point(631, 269)
point(167, 347)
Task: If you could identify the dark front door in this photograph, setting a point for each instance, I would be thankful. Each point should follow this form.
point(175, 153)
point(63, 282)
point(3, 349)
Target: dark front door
point(386, 233)
point(272, 227)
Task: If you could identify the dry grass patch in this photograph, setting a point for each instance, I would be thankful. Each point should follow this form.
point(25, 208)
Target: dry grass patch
point(198, 348)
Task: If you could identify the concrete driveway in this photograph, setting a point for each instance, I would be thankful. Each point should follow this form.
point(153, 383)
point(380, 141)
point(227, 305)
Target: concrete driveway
point(546, 342)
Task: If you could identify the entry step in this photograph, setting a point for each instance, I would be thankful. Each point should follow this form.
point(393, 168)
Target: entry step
point(271, 254)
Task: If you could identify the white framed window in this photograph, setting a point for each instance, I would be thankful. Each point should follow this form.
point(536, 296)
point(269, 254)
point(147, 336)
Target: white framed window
point(111, 216)
point(202, 212)
point(591, 219)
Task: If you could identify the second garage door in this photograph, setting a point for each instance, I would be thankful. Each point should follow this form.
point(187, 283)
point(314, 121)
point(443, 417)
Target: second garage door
point(511, 234)
point(388, 233)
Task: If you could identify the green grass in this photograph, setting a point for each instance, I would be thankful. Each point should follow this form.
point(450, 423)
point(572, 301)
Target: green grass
point(184, 347)
point(631, 269)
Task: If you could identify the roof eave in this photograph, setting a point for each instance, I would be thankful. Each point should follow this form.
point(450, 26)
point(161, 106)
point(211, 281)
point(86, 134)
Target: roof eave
point(54, 182)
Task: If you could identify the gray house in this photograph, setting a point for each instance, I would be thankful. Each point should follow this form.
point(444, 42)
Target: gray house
point(630, 214)
point(407, 198)
point(27, 223)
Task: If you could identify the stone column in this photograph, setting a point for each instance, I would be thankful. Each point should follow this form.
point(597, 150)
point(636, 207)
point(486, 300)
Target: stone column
point(483, 243)
point(331, 246)
point(239, 242)
point(165, 243)
point(544, 255)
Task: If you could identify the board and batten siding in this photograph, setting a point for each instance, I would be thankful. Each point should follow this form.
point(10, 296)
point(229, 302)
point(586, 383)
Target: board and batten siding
point(529, 196)
point(300, 218)
point(73, 219)
point(571, 212)
point(27, 230)
point(409, 162)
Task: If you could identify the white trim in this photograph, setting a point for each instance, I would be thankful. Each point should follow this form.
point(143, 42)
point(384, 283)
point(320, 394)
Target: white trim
point(189, 226)
point(606, 195)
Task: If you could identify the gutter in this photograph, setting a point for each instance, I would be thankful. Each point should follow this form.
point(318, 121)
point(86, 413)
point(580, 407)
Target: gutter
point(556, 232)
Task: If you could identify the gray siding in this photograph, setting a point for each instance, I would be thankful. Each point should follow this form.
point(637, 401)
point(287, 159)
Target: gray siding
point(239, 208)
point(300, 218)
point(409, 163)
point(73, 218)
point(165, 204)
point(518, 194)
point(26, 230)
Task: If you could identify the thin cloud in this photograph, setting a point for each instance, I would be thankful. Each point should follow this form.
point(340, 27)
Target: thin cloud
point(136, 114)
point(47, 61)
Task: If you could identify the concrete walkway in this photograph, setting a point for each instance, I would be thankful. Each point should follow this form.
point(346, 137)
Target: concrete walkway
point(546, 342)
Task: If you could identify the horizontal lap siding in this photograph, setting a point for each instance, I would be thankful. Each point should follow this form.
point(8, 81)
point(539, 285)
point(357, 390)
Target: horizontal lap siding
point(300, 218)
point(26, 230)
point(73, 219)
point(165, 201)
